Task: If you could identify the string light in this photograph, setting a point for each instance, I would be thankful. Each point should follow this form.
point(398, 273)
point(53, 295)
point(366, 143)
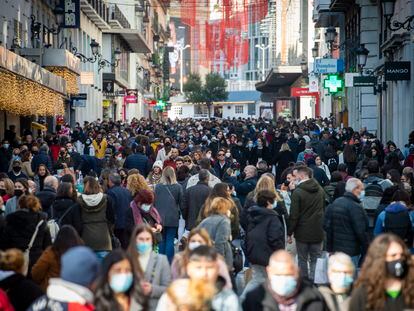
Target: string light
point(22, 96)
point(69, 76)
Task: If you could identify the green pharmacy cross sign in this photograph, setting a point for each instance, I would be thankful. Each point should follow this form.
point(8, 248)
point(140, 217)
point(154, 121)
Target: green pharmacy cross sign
point(333, 84)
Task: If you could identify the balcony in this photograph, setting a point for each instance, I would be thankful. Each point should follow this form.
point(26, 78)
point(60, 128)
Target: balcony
point(117, 19)
point(97, 11)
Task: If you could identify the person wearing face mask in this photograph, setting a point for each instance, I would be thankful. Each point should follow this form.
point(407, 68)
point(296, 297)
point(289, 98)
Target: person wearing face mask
point(196, 238)
point(16, 171)
point(6, 189)
point(283, 288)
point(21, 187)
point(265, 234)
point(386, 278)
point(152, 267)
point(64, 160)
point(5, 155)
point(165, 150)
point(341, 272)
point(118, 286)
point(74, 155)
point(346, 223)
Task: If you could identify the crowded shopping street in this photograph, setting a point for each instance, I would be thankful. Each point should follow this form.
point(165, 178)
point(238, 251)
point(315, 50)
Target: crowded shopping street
point(206, 155)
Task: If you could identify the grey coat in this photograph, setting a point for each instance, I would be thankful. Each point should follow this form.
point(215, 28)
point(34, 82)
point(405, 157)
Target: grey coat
point(158, 273)
point(219, 229)
point(169, 201)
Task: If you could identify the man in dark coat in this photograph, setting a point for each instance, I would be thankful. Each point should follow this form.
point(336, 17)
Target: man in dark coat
point(122, 199)
point(48, 195)
point(138, 161)
point(283, 289)
point(42, 158)
point(306, 219)
point(195, 198)
point(221, 165)
point(5, 156)
point(247, 184)
point(318, 173)
point(346, 223)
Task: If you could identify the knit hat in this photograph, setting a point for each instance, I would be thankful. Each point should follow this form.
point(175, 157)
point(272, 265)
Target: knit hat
point(158, 164)
point(79, 265)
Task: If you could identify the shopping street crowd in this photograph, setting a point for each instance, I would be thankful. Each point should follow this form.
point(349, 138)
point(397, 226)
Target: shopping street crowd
point(205, 215)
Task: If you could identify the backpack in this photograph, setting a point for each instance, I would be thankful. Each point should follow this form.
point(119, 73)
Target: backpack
point(400, 225)
point(332, 164)
point(55, 224)
point(373, 196)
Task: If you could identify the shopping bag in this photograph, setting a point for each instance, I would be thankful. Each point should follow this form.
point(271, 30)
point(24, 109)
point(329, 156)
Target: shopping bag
point(321, 269)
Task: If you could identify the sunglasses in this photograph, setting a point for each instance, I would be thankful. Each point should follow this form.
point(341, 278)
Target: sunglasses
point(187, 161)
point(220, 154)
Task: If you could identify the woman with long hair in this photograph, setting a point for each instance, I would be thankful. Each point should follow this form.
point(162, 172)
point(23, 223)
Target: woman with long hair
point(41, 173)
point(154, 177)
point(135, 183)
point(48, 265)
point(153, 268)
point(197, 237)
point(386, 280)
point(26, 163)
point(21, 187)
point(283, 159)
point(222, 190)
point(169, 201)
point(118, 287)
point(6, 189)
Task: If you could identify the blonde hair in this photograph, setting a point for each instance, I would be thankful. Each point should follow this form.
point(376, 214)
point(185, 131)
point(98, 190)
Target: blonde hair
point(168, 176)
point(285, 147)
point(8, 186)
point(220, 206)
point(12, 260)
point(135, 183)
point(266, 183)
point(191, 295)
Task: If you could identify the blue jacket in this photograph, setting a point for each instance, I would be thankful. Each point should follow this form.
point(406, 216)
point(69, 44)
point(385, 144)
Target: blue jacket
point(138, 161)
point(392, 208)
point(243, 187)
point(122, 198)
point(41, 158)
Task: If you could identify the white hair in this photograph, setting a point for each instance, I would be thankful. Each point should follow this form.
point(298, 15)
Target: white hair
point(351, 184)
point(340, 258)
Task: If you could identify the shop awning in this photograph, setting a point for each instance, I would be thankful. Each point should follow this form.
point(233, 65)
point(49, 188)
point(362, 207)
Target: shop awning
point(27, 88)
point(133, 38)
point(279, 77)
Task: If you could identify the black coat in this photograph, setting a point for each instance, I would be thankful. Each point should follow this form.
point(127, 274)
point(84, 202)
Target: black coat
point(265, 234)
point(219, 171)
point(320, 175)
point(5, 157)
point(19, 229)
point(308, 299)
point(122, 198)
point(138, 161)
point(41, 158)
point(21, 291)
point(359, 299)
point(47, 196)
point(244, 187)
point(194, 199)
point(346, 226)
point(72, 217)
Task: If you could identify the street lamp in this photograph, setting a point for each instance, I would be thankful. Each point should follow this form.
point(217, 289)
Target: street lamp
point(95, 53)
point(180, 49)
point(388, 12)
point(37, 27)
point(362, 56)
point(304, 65)
point(263, 48)
point(102, 63)
point(330, 36)
point(315, 50)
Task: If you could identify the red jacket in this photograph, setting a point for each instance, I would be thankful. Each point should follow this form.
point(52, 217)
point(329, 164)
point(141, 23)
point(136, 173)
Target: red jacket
point(5, 304)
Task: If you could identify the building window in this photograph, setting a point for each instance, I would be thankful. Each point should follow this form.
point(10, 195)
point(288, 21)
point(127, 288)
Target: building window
point(238, 109)
point(178, 110)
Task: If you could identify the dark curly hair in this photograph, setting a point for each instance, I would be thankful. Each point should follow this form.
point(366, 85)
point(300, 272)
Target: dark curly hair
point(104, 296)
point(373, 274)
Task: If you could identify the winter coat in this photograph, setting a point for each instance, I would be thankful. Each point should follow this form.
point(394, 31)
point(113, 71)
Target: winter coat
point(261, 299)
point(359, 300)
point(5, 304)
point(320, 175)
point(265, 234)
point(20, 290)
point(346, 226)
point(72, 216)
point(46, 267)
point(243, 188)
point(47, 196)
point(169, 200)
point(15, 177)
point(19, 229)
point(195, 198)
point(138, 161)
point(219, 229)
point(306, 212)
point(193, 180)
point(122, 198)
point(97, 215)
point(334, 302)
point(41, 158)
point(63, 295)
point(136, 215)
point(220, 170)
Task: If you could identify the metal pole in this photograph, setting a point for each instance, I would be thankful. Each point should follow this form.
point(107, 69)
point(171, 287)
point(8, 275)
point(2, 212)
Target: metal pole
point(181, 71)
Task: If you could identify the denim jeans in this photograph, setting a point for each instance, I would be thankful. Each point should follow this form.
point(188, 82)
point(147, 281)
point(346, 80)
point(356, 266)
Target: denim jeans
point(166, 246)
point(308, 253)
point(259, 275)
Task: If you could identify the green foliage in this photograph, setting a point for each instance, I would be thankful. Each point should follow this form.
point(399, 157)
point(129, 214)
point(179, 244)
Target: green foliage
point(193, 89)
point(214, 89)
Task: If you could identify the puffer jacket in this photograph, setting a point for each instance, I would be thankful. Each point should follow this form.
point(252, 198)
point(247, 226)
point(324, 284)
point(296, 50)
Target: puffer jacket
point(346, 226)
point(306, 212)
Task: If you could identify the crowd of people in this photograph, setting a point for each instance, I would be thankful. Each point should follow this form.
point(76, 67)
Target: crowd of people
point(205, 215)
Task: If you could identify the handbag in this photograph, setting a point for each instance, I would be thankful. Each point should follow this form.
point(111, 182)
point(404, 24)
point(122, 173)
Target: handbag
point(321, 269)
point(26, 254)
point(237, 259)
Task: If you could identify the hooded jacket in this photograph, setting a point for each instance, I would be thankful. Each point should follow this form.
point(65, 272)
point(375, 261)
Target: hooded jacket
point(264, 235)
point(306, 212)
point(67, 212)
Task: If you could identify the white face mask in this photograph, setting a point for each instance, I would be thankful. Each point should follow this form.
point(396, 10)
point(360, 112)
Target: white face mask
point(193, 245)
point(145, 207)
point(228, 155)
point(283, 285)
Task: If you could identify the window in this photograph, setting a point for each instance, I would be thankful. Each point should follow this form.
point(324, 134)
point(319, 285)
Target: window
point(178, 110)
point(238, 109)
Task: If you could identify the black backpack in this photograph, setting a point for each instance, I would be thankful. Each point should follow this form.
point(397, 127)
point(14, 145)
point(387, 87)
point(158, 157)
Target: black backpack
point(400, 225)
point(374, 189)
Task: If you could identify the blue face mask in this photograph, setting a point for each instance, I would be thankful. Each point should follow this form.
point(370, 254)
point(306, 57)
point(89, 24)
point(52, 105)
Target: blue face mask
point(121, 282)
point(362, 195)
point(146, 207)
point(283, 285)
point(341, 280)
point(143, 248)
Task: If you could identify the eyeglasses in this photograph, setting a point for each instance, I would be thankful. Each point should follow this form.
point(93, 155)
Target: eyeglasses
point(220, 154)
point(187, 161)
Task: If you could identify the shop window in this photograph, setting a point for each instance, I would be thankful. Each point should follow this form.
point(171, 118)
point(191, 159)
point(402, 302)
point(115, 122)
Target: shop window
point(238, 109)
